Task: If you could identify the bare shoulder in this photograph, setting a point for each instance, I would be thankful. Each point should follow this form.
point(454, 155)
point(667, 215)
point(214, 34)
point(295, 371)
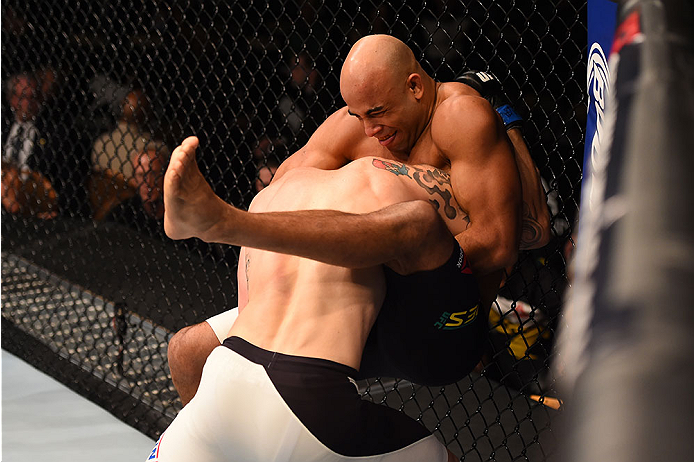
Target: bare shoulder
point(457, 88)
point(464, 120)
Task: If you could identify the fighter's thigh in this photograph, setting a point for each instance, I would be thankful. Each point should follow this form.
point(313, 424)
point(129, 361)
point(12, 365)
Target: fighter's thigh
point(194, 433)
point(192, 344)
point(202, 337)
point(181, 442)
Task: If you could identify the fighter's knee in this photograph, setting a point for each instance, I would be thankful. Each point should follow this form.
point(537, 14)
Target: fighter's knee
point(192, 344)
point(186, 354)
point(428, 226)
point(176, 349)
point(427, 241)
point(177, 343)
point(182, 343)
point(421, 221)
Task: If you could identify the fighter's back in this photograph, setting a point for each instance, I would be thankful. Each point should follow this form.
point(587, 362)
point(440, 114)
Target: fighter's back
point(303, 307)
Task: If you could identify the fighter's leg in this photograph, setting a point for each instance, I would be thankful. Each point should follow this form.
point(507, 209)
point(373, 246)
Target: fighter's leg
point(189, 348)
point(191, 206)
point(391, 235)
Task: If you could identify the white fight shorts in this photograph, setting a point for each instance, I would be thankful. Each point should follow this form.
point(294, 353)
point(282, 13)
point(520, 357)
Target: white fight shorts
point(257, 405)
point(221, 323)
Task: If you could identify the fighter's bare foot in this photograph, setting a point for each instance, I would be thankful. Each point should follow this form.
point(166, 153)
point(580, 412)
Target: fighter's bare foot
point(191, 208)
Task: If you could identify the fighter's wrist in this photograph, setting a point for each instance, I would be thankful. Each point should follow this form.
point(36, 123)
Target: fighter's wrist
point(509, 116)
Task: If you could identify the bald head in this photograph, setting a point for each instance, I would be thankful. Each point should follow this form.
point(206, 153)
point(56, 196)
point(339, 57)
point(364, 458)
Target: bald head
point(378, 59)
point(387, 90)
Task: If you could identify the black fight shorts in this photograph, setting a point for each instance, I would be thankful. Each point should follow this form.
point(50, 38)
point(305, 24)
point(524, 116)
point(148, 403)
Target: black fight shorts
point(257, 406)
point(431, 329)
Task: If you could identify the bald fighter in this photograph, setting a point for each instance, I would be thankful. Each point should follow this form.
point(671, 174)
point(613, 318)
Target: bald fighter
point(396, 111)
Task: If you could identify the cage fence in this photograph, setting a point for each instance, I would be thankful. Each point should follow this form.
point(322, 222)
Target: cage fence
point(92, 289)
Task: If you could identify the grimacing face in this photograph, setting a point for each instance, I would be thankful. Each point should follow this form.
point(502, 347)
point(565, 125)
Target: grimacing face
point(390, 116)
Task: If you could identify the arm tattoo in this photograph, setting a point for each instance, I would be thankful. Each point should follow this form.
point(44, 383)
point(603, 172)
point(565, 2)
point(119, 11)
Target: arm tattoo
point(395, 168)
point(435, 182)
point(532, 231)
point(424, 177)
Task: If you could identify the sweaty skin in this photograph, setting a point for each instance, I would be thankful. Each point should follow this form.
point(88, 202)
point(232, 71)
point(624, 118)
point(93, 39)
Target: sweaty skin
point(314, 309)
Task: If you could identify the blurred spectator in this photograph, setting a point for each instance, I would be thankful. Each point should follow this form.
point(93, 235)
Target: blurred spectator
point(144, 210)
point(265, 175)
point(28, 183)
point(113, 151)
point(270, 150)
point(48, 77)
point(299, 107)
point(150, 166)
point(114, 156)
point(267, 157)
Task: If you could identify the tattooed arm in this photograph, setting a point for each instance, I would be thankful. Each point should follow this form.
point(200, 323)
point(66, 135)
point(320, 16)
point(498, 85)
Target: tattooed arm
point(437, 186)
point(536, 227)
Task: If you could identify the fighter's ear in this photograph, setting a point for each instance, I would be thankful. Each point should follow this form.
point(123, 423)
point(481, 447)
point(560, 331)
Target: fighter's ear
point(415, 85)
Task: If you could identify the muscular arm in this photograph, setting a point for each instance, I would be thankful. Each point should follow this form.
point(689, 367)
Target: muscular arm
point(535, 225)
point(485, 181)
point(331, 146)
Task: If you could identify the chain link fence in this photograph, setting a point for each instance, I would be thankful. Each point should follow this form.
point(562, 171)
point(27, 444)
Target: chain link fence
point(97, 94)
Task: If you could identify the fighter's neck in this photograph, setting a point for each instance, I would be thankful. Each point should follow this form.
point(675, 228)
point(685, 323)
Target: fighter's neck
point(433, 104)
point(436, 100)
point(425, 128)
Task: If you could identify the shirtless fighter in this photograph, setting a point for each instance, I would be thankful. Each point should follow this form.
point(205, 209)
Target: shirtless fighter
point(280, 385)
point(396, 111)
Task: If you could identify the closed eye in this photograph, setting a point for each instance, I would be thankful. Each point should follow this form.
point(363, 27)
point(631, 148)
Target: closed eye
point(371, 113)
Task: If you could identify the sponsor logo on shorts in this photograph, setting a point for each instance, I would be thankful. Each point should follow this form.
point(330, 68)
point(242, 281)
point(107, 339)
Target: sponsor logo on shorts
point(451, 321)
point(154, 455)
point(463, 265)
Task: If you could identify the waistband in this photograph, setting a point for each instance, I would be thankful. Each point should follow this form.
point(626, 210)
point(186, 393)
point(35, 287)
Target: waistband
point(281, 361)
